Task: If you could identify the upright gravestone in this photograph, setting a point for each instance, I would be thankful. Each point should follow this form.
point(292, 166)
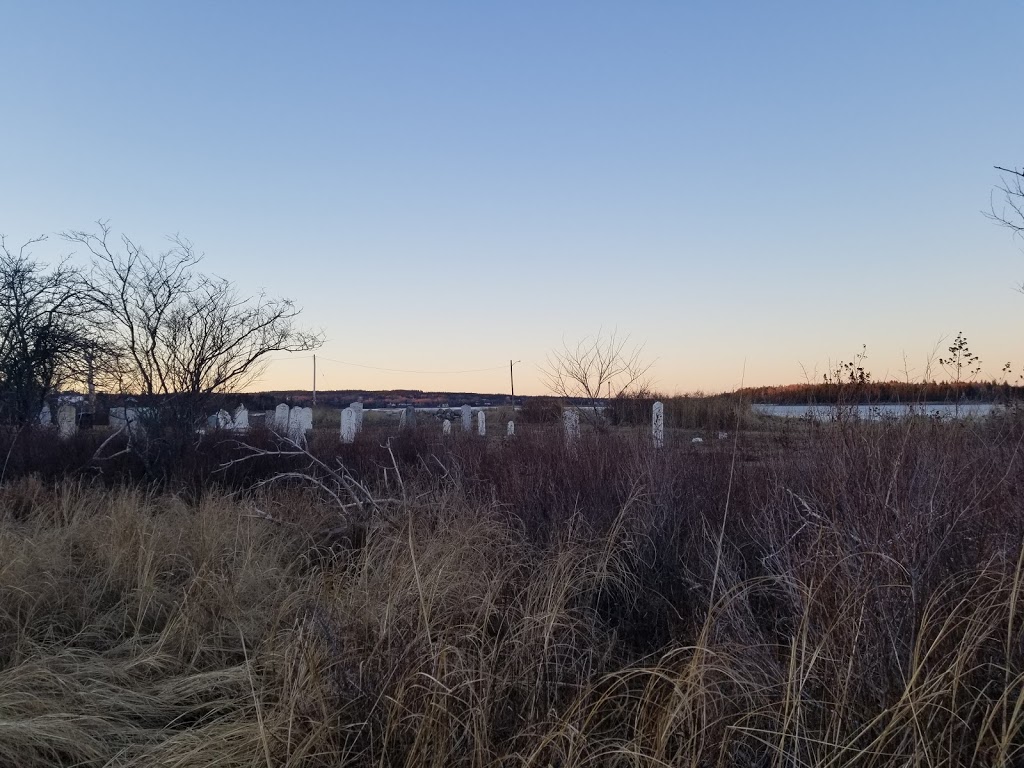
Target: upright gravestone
point(467, 418)
point(132, 420)
point(571, 420)
point(223, 419)
point(300, 424)
point(348, 425)
point(281, 414)
point(45, 417)
point(357, 410)
point(658, 424)
point(116, 419)
point(446, 427)
point(510, 429)
point(127, 420)
point(481, 423)
point(240, 421)
point(408, 419)
point(66, 426)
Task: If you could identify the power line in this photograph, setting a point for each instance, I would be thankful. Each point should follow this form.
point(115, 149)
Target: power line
point(404, 370)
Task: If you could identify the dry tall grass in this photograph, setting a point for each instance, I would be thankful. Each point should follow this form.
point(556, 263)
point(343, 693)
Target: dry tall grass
point(851, 598)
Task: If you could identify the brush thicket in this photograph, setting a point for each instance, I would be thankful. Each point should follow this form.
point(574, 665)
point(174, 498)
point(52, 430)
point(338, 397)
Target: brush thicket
point(846, 595)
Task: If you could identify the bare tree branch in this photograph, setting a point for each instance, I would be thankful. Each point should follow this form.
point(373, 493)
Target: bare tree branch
point(600, 366)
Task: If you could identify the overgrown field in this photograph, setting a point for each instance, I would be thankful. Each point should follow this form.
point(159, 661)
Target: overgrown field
point(840, 595)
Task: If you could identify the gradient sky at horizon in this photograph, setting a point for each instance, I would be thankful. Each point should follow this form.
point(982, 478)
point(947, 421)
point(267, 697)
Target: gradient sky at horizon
point(751, 190)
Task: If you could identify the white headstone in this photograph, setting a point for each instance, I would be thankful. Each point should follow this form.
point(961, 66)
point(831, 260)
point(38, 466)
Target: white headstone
point(357, 409)
point(66, 426)
point(697, 440)
point(128, 420)
point(281, 414)
point(723, 435)
point(240, 420)
point(467, 418)
point(300, 423)
point(571, 419)
point(132, 420)
point(348, 425)
point(408, 418)
point(116, 418)
point(481, 423)
point(223, 419)
point(658, 424)
point(446, 427)
point(510, 429)
point(45, 417)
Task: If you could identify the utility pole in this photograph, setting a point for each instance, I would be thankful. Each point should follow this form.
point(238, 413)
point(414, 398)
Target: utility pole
point(512, 381)
point(314, 379)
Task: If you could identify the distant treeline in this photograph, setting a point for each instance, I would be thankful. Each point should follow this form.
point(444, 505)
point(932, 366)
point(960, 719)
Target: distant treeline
point(883, 392)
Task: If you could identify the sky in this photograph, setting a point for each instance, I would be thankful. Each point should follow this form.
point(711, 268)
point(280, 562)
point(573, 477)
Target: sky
point(751, 191)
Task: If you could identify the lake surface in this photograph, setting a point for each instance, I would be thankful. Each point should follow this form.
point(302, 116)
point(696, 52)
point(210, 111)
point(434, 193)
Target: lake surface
point(878, 412)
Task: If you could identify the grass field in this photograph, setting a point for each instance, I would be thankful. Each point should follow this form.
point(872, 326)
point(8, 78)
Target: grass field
point(830, 595)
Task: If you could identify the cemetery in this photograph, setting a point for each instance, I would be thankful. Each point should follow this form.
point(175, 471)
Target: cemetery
point(503, 425)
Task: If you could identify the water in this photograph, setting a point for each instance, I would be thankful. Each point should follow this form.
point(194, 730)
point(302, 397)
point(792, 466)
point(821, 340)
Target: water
point(878, 412)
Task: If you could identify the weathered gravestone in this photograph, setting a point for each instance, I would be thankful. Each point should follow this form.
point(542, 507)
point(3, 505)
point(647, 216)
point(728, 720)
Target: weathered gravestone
point(571, 420)
point(510, 429)
point(281, 414)
point(300, 423)
point(467, 418)
point(481, 423)
point(408, 418)
point(240, 421)
point(116, 418)
point(127, 419)
point(658, 424)
point(45, 417)
point(223, 419)
point(348, 425)
point(357, 410)
point(446, 427)
point(66, 426)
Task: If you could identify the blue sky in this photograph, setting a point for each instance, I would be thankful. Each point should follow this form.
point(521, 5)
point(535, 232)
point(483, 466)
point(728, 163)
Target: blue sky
point(750, 189)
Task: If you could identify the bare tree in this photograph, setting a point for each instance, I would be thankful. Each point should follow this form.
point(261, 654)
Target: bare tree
point(600, 366)
point(45, 338)
point(180, 334)
point(1006, 206)
point(1009, 212)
